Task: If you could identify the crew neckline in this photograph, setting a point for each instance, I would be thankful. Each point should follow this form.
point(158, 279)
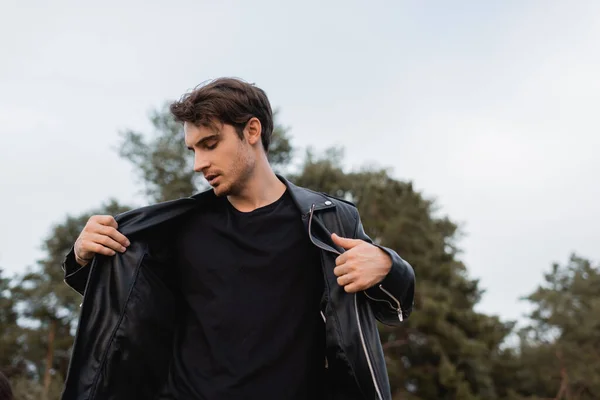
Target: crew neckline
point(259, 210)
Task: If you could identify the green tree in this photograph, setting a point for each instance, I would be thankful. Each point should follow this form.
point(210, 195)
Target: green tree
point(163, 163)
point(560, 350)
point(29, 389)
point(444, 349)
point(11, 347)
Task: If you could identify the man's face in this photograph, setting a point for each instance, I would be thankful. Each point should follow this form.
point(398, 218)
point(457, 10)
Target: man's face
point(225, 160)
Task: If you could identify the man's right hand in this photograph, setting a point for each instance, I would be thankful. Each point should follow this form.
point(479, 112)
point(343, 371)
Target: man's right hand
point(100, 236)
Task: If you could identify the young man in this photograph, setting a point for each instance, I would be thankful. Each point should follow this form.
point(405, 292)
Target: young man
point(256, 289)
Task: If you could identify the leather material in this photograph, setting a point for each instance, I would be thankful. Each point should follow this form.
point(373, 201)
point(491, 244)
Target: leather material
point(130, 309)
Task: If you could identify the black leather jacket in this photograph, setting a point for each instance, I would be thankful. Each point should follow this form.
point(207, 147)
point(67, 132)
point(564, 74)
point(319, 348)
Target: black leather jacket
point(129, 312)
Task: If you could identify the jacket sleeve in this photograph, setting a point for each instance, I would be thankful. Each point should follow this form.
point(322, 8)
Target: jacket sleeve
point(391, 299)
point(76, 276)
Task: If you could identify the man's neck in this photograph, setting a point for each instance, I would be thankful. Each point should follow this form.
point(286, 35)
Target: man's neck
point(263, 188)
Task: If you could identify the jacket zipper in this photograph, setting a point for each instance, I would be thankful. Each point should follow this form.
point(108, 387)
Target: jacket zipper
point(388, 303)
point(399, 309)
point(362, 337)
point(364, 345)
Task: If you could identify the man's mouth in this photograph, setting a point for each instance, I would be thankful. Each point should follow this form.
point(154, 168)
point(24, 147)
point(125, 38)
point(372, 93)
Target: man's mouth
point(211, 179)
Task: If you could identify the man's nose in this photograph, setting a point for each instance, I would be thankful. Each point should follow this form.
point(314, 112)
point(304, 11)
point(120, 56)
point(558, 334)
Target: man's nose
point(200, 163)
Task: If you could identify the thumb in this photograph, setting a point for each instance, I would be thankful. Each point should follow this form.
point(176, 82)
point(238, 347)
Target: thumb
point(345, 242)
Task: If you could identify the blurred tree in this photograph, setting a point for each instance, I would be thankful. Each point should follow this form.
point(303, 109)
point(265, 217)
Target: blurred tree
point(48, 304)
point(11, 334)
point(444, 350)
point(29, 389)
point(560, 351)
point(164, 164)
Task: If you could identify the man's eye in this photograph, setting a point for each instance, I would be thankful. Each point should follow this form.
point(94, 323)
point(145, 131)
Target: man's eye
point(211, 146)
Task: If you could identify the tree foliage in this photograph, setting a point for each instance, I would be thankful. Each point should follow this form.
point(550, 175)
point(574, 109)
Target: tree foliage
point(560, 349)
point(11, 347)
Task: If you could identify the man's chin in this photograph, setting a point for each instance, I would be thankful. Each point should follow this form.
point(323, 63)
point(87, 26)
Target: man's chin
point(219, 191)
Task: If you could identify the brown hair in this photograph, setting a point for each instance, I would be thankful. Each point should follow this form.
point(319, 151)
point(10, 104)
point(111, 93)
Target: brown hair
point(230, 101)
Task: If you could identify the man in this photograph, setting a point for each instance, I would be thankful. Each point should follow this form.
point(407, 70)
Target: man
point(256, 289)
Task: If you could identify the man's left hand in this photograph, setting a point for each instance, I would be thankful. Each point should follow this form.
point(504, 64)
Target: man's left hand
point(361, 266)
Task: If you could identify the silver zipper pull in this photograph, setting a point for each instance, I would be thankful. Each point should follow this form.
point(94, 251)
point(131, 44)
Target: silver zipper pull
point(399, 309)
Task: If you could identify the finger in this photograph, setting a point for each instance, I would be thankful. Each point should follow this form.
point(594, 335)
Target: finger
point(346, 279)
point(107, 220)
point(353, 287)
point(342, 270)
point(341, 259)
point(107, 241)
point(112, 233)
point(99, 249)
point(345, 242)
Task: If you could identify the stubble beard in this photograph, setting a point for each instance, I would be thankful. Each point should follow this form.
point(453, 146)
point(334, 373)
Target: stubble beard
point(241, 174)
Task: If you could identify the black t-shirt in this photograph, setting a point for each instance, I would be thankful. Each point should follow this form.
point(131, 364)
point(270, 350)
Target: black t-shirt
point(251, 284)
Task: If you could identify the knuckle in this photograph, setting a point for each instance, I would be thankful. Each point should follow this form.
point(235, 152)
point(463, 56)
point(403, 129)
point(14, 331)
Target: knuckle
point(103, 219)
point(94, 227)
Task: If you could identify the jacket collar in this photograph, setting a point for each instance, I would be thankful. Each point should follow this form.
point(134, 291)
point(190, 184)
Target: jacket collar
point(143, 218)
point(305, 199)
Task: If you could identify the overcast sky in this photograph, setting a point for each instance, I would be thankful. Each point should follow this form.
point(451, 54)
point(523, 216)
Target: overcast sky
point(489, 107)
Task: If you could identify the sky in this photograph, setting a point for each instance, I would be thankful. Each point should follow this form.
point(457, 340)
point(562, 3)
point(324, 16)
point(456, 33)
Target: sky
point(490, 108)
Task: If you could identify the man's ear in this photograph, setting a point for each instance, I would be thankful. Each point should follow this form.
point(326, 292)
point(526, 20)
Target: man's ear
point(253, 130)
